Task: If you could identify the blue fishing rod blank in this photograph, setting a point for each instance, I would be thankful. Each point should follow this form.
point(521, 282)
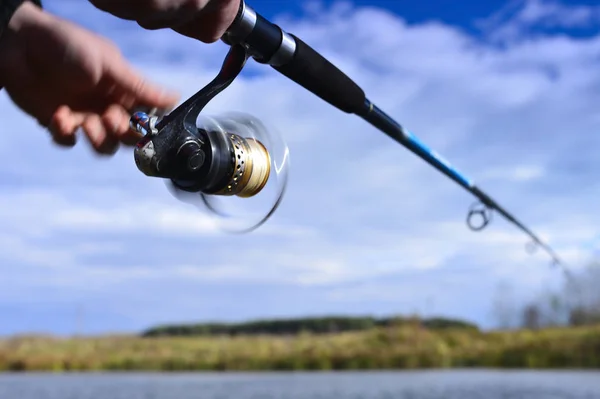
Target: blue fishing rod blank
point(270, 45)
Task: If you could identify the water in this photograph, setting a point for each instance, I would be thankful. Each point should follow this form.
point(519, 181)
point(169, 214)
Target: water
point(371, 385)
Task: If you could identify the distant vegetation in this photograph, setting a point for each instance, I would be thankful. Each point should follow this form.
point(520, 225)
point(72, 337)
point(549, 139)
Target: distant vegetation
point(407, 346)
point(576, 303)
point(316, 325)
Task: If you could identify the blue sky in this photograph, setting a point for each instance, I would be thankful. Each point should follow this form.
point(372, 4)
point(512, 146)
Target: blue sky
point(507, 91)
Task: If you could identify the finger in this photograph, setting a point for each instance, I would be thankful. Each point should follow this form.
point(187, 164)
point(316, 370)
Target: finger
point(116, 122)
point(100, 140)
point(135, 90)
point(212, 22)
point(63, 126)
point(122, 9)
point(170, 18)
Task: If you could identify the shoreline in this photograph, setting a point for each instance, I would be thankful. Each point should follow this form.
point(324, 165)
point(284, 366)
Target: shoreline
point(233, 373)
point(404, 348)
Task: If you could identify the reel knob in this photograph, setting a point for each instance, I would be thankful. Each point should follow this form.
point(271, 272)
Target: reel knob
point(192, 156)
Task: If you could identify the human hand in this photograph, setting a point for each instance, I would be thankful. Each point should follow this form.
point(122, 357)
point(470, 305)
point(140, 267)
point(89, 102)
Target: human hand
point(67, 77)
point(205, 20)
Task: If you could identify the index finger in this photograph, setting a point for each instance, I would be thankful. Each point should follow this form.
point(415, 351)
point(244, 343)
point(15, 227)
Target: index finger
point(134, 90)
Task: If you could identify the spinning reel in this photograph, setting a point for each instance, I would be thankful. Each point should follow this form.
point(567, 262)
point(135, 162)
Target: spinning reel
point(211, 161)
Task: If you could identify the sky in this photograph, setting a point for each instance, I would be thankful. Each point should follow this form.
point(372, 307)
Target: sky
point(506, 91)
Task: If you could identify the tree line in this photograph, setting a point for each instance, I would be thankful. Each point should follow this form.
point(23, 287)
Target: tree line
point(313, 325)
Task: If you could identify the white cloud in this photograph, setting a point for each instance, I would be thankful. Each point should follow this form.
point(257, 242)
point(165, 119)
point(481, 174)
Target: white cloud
point(518, 173)
point(363, 217)
point(519, 17)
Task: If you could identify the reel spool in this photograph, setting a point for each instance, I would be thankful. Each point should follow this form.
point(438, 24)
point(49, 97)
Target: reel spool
point(220, 164)
point(252, 163)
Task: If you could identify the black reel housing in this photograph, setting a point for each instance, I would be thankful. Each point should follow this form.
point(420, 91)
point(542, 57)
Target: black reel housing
point(194, 162)
point(197, 159)
point(204, 163)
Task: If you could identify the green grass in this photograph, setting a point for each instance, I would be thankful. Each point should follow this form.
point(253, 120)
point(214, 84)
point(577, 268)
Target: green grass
point(403, 347)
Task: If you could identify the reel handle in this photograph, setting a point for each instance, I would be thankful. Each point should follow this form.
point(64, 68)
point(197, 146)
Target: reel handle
point(287, 54)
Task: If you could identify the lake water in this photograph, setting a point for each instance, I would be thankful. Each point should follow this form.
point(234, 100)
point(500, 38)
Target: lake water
point(368, 385)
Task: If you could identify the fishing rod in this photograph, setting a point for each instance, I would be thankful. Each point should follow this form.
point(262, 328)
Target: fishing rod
point(215, 160)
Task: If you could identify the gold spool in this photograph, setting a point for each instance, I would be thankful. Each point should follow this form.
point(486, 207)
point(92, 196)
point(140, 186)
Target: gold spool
point(251, 167)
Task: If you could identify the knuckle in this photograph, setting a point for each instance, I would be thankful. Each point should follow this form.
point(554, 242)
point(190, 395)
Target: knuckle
point(155, 5)
point(57, 126)
point(207, 35)
point(196, 5)
point(108, 149)
point(151, 25)
point(213, 35)
point(99, 144)
point(212, 38)
point(64, 140)
point(139, 87)
point(111, 120)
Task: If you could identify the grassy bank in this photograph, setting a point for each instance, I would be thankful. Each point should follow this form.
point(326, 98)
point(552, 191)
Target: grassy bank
point(405, 347)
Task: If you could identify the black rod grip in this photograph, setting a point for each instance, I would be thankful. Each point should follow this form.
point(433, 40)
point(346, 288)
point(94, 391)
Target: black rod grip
point(264, 39)
point(269, 44)
point(315, 73)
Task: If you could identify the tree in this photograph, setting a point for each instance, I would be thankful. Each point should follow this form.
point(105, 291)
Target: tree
point(532, 317)
point(505, 310)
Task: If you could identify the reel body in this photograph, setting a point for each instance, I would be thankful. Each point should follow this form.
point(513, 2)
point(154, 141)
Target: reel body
point(233, 155)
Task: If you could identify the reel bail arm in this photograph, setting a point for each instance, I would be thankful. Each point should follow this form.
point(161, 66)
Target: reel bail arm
point(175, 148)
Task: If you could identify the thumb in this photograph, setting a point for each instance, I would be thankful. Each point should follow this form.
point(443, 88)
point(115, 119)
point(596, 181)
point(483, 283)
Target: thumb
point(134, 90)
